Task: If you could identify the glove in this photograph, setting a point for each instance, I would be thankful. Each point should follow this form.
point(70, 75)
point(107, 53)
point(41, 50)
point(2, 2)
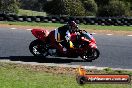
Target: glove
point(67, 37)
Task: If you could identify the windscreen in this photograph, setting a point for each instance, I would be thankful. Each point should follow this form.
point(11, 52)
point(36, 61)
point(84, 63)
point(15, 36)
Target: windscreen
point(87, 35)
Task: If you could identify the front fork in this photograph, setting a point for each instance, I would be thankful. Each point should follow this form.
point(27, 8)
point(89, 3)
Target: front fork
point(90, 49)
point(93, 45)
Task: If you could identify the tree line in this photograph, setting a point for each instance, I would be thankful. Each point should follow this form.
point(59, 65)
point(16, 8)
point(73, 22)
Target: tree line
point(103, 8)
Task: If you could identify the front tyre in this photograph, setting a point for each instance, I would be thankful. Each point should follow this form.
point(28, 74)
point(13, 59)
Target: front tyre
point(37, 48)
point(90, 55)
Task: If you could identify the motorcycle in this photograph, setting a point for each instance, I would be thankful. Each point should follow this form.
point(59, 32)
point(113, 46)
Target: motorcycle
point(82, 45)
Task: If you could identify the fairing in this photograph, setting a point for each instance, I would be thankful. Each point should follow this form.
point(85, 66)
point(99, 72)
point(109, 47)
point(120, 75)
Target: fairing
point(40, 33)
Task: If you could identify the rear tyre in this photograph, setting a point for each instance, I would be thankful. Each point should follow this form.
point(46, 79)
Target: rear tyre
point(37, 48)
point(90, 55)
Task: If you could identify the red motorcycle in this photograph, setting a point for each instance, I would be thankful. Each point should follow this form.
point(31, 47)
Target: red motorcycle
point(83, 45)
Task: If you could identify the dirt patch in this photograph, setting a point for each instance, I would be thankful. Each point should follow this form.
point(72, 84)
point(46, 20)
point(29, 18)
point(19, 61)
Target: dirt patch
point(89, 30)
point(48, 69)
point(24, 27)
point(54, 69)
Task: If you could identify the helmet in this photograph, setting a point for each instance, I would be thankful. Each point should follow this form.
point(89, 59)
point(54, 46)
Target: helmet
point(72, 25)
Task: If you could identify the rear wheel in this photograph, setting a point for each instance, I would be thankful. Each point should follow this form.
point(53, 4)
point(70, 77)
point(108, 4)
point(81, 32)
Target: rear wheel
point(90, 55)
point(37, 48)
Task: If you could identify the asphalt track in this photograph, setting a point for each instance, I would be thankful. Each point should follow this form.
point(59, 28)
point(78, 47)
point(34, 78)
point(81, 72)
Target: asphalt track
point(116, 51)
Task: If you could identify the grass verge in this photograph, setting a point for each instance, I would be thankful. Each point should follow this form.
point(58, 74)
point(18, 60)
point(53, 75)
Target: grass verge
point(82, 26)
point(31, 76)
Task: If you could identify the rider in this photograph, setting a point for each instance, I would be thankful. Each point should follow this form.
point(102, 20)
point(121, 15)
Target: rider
point(60, 37)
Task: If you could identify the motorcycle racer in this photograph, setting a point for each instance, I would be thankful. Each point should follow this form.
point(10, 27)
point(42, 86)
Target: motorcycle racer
point(60, 37)
point(58, 43)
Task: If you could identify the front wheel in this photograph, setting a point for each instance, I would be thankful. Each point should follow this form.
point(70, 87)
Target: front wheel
point(37, 48)
point(90, 55)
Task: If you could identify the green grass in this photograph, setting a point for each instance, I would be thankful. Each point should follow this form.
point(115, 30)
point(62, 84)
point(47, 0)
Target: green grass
point(32, 24)
point(82, 26)
point(113, 28)
point(30, 13)
point(110, 71)
point(14, 76)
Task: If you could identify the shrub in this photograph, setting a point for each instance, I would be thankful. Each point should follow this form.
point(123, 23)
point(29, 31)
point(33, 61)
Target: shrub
point(65, 7)
point(55, 7)
point(115, 8)
point(90, 7)
point(101, 3)
point(9, 6)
